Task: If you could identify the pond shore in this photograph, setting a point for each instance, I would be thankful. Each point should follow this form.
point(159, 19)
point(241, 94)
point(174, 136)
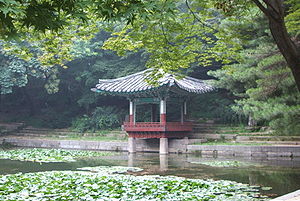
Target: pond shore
point(294, 196)
point(152, 145)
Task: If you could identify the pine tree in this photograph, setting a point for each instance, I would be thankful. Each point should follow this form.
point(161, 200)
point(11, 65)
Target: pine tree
point(263, 84)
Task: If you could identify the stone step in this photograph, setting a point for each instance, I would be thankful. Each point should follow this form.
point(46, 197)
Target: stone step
point(256, 134)
point(213, 136)
point(11, 124)
point(7, 127)
point(218, 131)
point(58, 131)
point(193, 141)
point(43, 129)
point(217, 128)
point(23, 132)
point(268, 138)
point(242, 137)
point(234, 133)
point(207, 125)
point(273, 142)
point(66, 135)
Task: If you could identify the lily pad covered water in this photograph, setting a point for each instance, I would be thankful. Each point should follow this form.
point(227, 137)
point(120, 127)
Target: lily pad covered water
point(49, 155)
point(224, 163)
point(103, 185)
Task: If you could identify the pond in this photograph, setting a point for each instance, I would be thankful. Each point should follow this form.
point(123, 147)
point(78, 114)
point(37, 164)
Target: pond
point(283, 175)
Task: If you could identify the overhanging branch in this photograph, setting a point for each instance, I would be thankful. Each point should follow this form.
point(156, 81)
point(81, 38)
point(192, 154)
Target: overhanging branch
point(197, 18)
point(265, 10)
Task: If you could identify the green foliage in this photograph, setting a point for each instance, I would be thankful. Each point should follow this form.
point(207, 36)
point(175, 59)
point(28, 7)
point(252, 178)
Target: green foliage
point(52, 119)
point(175, 34)
point(217, 106)
point(38, 15)
point(264, 85)
point(104, 65)
point(292, 19)
point(275, 97)
point(101, 118)
point(58, 110)
point(83, 185)
point(14, 72)
point(48, 155)
point(175, 42)
point(48, 51)
point(81, 124)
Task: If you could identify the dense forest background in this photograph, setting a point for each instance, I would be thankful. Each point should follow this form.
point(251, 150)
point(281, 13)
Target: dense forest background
point(256, 87)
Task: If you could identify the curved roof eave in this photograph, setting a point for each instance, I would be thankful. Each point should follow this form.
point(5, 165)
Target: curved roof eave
point(136, 84)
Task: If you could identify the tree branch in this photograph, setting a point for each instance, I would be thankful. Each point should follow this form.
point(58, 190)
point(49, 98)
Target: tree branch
point(272, 7)
point(264, 10)
point(196, 17)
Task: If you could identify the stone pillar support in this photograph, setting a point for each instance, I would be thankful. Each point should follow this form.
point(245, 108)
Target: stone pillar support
point(131, 145)
point(163, 146)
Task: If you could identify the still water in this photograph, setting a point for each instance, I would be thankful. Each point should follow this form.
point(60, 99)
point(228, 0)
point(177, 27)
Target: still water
point(283, 175)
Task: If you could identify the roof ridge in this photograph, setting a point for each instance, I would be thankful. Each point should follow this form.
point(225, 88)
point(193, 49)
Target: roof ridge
point(125, 77)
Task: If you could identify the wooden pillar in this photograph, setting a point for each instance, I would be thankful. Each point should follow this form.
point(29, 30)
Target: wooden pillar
point(182, 115)
point(163, 111)
point(132, 111)
point(183, 111)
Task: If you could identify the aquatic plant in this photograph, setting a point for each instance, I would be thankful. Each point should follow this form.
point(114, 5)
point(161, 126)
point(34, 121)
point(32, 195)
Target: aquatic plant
point(111, 169)
point(103, 185)
point(49, 155)
point(224, 163)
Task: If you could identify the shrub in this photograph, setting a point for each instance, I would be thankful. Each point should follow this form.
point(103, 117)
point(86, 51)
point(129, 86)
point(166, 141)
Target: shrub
point(101, 118)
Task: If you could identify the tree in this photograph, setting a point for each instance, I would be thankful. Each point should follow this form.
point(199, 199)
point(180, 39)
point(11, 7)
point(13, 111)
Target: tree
point(28, 16)
point(74, 98)
point(279, 13)
point(262, 83)
point(14, 72)
point(18, 15)
point(275, 12)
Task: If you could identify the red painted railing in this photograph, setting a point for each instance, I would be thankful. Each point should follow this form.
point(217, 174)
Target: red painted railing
point(157, 126)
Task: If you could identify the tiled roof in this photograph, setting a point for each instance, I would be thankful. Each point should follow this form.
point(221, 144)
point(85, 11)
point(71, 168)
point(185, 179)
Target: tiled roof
point(137, 84)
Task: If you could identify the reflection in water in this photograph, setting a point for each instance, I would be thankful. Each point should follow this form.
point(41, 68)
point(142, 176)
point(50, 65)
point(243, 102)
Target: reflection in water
point(131, 157)
point(163, 162)
point(282, 175)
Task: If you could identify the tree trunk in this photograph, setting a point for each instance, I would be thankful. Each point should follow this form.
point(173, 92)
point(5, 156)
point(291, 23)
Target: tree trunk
point(284, 43)
point(251, 122)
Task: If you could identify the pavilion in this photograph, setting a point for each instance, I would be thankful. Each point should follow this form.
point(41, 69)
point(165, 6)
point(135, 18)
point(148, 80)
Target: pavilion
point(138, 90)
